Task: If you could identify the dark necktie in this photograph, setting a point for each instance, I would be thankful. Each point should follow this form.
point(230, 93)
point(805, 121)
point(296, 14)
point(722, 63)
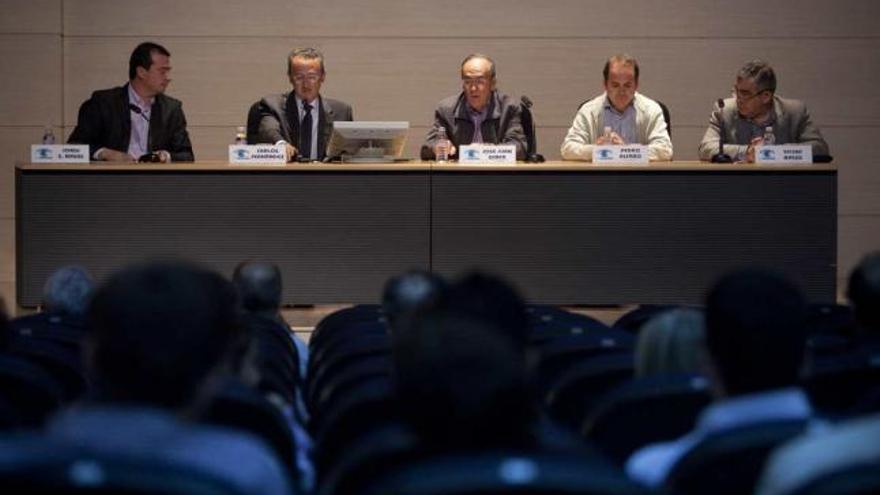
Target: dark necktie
point(305, 132)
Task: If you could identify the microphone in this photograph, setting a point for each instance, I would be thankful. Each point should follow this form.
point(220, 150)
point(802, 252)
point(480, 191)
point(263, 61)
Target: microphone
point(721, 156)
point(136, 109)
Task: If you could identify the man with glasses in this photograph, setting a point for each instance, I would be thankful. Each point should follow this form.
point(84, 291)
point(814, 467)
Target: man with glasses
point(629, 116)
point(479, 114)
point(301, 119)
point(136, 121)
point(753, 107)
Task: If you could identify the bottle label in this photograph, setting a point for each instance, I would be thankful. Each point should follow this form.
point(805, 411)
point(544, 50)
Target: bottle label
point(60, 153)
point(784, 153)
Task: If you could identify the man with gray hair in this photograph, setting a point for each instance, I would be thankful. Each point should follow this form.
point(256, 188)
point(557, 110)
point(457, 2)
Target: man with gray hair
point(751, 111)
point(627, 115)
point(301, 119)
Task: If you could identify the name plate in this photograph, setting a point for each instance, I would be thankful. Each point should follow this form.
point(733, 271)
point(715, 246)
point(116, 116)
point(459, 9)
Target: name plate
point(262, 154)
point(628, 153)
point(784, 153)
point(60, 153)
point(497, 154)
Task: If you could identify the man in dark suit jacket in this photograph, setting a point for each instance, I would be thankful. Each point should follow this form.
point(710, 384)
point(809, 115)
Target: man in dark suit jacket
point(302, 119)
point(136, 120)
point(498, 114)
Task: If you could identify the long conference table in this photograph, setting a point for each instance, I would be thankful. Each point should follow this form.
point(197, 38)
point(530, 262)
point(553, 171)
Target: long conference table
point(562, 232)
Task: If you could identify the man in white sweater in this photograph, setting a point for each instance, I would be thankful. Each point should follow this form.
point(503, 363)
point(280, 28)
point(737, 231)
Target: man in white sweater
point(631, 117)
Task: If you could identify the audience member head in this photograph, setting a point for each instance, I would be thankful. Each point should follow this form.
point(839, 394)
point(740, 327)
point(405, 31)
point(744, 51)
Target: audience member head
point(461, 385)
point(410, 294)
point(755, 332)
point(148, 69)
point(671, 342)
point(158, 331)
point(305, 69)
point(478, 80)
point(68, 291)
point(863, 292)
point(259, 287)
point(493, 301)
point(621, 80)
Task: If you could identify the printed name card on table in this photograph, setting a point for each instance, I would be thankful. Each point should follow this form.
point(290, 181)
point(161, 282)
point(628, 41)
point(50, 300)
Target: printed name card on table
point(60, 153)
point(620, 154)
point(256, 154)
point(497, 154)
point(792, 154)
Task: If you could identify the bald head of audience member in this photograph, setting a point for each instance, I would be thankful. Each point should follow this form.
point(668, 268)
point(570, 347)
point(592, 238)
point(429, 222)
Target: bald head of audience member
point(411, 294)
point(259, 286)
point(68, 291)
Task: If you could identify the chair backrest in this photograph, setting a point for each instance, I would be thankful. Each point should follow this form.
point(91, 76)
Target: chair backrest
point(73, 471)
point(29, 390)
point(243, 408)
point(528, 124)
point(644, 411)
point(859, 479)
point(253, 123)
point(500, 473)
point(730, 462)
point(560, 354)
point(571, 396)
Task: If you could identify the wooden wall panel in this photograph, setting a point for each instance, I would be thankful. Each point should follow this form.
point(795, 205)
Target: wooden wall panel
point(7, 251)
point(218, 78)
point(30, 16)
point(489, 18)
point(857, 236)
point(31, 80)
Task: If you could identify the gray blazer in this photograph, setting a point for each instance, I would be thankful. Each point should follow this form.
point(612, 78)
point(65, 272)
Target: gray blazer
point(502, 124)
point(793, 125)
point(279, 120)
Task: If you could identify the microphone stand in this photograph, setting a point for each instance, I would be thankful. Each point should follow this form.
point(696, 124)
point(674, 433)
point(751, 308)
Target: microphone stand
point(721, 156)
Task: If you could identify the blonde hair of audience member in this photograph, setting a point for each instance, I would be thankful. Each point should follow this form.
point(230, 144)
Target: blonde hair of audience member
point(671, 342)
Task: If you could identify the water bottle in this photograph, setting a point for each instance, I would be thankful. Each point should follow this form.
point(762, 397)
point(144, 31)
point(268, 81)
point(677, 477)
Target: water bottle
point(240, 136)
point(48, 135)
point(769, 137)
point(443, 144)
point(606, 134)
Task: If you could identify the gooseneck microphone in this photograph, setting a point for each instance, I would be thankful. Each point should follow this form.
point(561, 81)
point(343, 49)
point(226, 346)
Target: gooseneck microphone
point(721, 156)
point(136, 109)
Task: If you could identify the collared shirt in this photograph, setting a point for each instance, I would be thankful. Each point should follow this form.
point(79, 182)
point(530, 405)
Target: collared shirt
point(138, 143)
point(477, 118)
point(315, 111)
point(652, 464)
point(623, 123)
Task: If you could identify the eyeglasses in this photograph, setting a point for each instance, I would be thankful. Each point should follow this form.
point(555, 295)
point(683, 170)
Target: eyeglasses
point(301, 78)
point(742, 95)
point(475, 81)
